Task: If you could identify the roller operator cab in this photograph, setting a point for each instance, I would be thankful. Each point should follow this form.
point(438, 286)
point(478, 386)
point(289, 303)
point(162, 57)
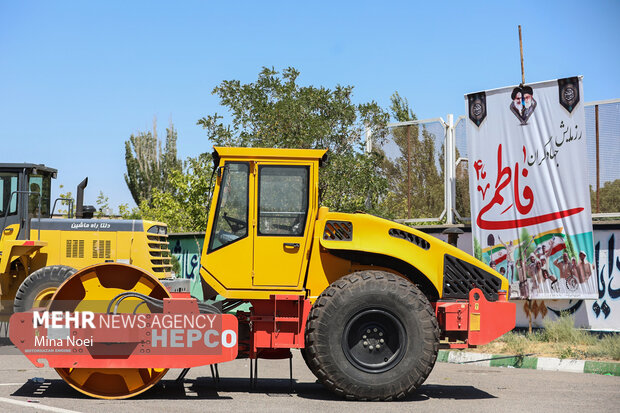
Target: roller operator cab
point(366, 300)
point(38, 252)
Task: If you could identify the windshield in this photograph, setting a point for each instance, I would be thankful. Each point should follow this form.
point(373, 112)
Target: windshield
point(231, 216)
point(8, 184)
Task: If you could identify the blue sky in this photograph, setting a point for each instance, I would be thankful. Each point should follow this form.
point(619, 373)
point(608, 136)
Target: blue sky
point(78, 78)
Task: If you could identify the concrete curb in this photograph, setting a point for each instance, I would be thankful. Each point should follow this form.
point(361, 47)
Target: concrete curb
point(527, 362)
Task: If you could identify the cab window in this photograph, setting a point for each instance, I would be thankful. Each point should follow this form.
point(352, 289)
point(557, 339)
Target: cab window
point(40, 188)
point(231, 215)
point(282, 200)
point(8, 184)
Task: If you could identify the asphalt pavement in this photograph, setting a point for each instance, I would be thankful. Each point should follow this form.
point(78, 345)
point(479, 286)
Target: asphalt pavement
point(450, 387)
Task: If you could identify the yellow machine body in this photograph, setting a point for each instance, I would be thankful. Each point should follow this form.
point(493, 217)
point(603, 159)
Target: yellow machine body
point(255, 265)
point(32, 239)
point(78, 243)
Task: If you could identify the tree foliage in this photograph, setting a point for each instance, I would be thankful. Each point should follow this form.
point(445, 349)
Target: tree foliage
point(149, 168)
point(103, 204)
point(65, 204)
point(277, 112)
point(609, 197)
point(184, 203)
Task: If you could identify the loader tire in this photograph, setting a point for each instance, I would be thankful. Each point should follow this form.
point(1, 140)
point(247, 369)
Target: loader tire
point(346, 327)
point(304, 355)
point(40, 286)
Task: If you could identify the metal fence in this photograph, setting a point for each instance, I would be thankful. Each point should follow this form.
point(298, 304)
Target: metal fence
point(603, 134)
point(429, 183)
point(415, 166)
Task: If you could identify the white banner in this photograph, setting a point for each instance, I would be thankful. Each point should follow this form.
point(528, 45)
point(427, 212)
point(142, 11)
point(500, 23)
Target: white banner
point(530, 199)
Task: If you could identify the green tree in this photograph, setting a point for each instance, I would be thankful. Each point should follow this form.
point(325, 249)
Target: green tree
point(149, 168)
point(277, 112)
point(129, 213)
point(462, 201)
point(105, 211)
point(65, 204)
point(103, 202)
point(184, 206)
point(609, 197)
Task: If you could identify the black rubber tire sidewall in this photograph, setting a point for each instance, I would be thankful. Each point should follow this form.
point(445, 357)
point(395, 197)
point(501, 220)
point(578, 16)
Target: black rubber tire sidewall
point(345, 298)
point(46, 277)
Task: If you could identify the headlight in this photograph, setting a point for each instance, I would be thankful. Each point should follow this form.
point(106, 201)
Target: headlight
point(158, 229)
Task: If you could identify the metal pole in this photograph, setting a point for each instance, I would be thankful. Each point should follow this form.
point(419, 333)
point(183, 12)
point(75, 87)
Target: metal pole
point(408, 172)
point(448, 171)
point(368, 133)
point(452, 167)
point(521, 48)
point(598, 165)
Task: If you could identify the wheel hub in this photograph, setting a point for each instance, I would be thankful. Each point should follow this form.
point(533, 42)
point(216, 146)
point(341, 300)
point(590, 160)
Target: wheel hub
point(43, 297)
point(374, 340)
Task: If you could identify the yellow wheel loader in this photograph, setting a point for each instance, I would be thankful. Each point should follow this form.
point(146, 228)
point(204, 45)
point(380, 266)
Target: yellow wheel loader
point(368, 301)
point(38, 252)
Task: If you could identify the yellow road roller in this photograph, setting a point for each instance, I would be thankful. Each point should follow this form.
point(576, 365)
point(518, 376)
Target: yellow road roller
point(367, 301)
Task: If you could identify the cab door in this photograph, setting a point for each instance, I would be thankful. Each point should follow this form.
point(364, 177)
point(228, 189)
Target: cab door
point(227, 256)
point(282, 223)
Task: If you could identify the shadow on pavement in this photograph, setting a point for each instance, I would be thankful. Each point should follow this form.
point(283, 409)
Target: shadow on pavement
point(454, 392)
point(426, 392)
point(205, 388)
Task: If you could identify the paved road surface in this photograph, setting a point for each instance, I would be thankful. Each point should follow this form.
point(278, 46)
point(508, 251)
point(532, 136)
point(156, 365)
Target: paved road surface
point(449, 388)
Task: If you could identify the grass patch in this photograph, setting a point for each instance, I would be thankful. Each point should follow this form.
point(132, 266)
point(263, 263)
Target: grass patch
point(515, 343)
point(607, 347)
point(563, 331)
point(558, 338)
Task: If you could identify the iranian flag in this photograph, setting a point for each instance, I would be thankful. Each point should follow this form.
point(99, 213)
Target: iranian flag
point(497, 254)
point(554, 240)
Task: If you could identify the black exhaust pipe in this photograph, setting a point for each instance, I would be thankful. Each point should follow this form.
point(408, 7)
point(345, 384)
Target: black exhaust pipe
point(79, 204)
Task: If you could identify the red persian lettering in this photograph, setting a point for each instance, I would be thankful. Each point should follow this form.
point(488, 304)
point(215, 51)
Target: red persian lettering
point(479, 167)
point(504, 177)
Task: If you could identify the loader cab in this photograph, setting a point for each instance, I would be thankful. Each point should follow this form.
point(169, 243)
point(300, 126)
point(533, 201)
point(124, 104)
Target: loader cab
point(259, 228)
point(25, 194)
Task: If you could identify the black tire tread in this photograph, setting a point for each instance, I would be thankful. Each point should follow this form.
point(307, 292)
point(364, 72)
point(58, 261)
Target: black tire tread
point(329, 374)
point(27, 291)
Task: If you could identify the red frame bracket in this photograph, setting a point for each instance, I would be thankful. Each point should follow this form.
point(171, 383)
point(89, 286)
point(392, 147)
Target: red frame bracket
point(474, 322)
point(278, 323)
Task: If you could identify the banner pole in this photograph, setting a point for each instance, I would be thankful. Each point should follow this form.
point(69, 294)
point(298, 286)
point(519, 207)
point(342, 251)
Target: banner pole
point(529, 302)
point(521, 49)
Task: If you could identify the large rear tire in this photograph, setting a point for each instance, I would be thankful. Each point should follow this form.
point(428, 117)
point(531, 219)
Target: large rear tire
point(372, 335)
point(39, 287)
